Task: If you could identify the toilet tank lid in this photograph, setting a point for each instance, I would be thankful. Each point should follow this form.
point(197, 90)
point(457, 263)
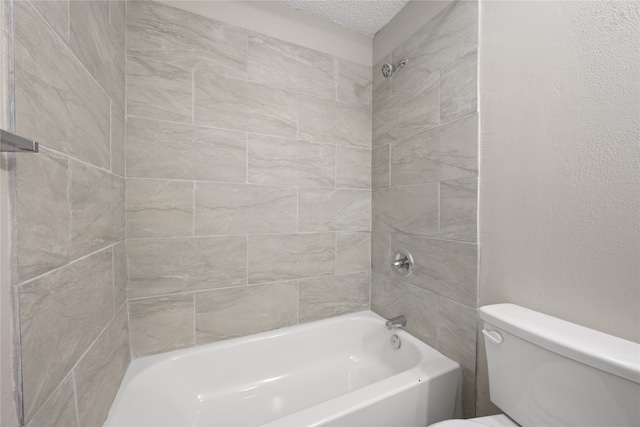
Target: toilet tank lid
point(597, 349)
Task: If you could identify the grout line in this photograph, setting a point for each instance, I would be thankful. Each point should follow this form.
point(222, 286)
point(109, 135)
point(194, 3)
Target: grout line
point(194, 319)
point(75, 392)
point(193, 207)
point(193, 96)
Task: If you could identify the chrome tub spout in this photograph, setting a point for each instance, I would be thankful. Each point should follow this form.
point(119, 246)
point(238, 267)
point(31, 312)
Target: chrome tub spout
point(396, 322)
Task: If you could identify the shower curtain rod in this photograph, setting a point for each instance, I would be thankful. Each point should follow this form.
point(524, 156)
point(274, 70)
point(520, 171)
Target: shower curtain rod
point(16, 144)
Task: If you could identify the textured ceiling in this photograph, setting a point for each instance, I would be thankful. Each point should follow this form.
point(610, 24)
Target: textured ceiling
point(364, 16)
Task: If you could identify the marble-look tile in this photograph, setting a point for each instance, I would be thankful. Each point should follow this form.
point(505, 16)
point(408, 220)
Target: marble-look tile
point(353, 168)
point(380, 166)
point(101, 370)
point(159, 91)
point(329, 296)
point(289, 162)
point(176, 151)
point(286, 65)
point(469, 394)
point(457, 332)
point(381, 85)
point(161, 324)
point(159, 208)
point(59, 410)
point(459, 88)
point(117, 18)
point(459, 209)
point(353, 252)
point(447, 152)
point(42, 193)
point(163, 266)
point(235, 312)
point(56, 13)
point(381, 253)
point(290, 256)
point(119, 275)
point(330, 209)
point(244, 209)
point(246, 106)
point(57, 102)
point(408, 112)
point(354, 82)
point(390, 297)
point(117, 141)
point(412, 210)
point(444, 267)
point(170, 35)
point(52, 343)
point(100, 49)
point(335, 122)
point(449, 35)
point(97, 209)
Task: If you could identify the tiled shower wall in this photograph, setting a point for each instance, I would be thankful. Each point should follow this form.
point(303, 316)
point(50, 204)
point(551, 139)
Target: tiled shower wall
point(425, 179)
point(69, 209)
point(248, 181)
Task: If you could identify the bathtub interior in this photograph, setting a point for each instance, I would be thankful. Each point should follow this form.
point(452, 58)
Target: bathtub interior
point(253, 380)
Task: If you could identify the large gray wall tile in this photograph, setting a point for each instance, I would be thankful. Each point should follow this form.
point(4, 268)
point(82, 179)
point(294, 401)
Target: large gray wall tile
point(381, 85)
point(290, 162)
point(176, 151)
point(449, 35)
point(170, 35)
point(380, 166)
point(329, 296)
point(459, 209)
point(234, 312)
point(119, 275)
point(159, 208)
point(459, 88)
point(162, 266)
point(56, 13)
point(42, 191)
point(353, 167)
point(97, 209)
point(244, 209)
point(444, 267)
point(117, 18)
point(286, 65)
point(353, 252)
point(241, 105)
point(290, 256)
point(59, 410)
point(447, 152)
point(159, 91)
point(162, 323)
point(329, 209)
point(101, 370)
point(380, 253)
point(52, 343)
point(336, 122)
point(390, 297)
point(408, 112)
point(117, 141)
point(57, 102)
point(412, 209)
point(98, 46)
point(354, 83)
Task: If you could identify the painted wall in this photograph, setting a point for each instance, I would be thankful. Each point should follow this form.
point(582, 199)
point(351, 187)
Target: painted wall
point(560, 187)
point(68, 202)
point(425, 175)
point(248, 181)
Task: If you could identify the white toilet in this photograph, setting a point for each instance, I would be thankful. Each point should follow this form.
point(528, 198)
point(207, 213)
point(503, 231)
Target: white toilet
point(545, 371)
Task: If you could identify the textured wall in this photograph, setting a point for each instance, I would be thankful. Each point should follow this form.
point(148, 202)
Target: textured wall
point(425, 174)
point(69, 206)
point(248, 181)
point(560, 188)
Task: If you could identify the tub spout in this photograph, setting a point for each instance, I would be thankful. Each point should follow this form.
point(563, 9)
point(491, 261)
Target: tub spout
point(396, 322)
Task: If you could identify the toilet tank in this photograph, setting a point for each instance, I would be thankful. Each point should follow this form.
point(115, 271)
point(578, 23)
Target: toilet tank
point(544, 371)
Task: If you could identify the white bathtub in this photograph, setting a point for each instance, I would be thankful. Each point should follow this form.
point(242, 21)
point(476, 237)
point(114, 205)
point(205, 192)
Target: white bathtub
point(341, 371)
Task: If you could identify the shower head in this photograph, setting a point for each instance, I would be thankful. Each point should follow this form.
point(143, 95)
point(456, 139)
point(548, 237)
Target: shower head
point(389, 69)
